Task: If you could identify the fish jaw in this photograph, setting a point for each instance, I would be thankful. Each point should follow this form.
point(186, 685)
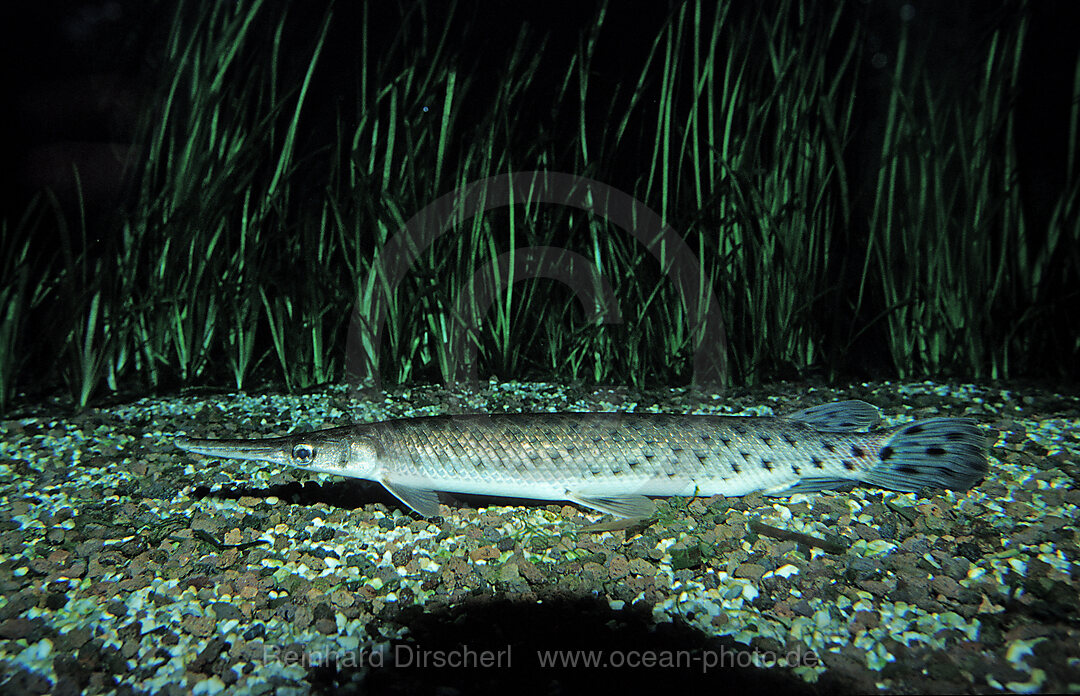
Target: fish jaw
point(272, 450)
point(351, 451)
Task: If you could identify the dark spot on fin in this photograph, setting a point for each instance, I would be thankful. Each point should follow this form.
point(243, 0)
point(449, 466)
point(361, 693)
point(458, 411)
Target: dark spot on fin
point(934, 453)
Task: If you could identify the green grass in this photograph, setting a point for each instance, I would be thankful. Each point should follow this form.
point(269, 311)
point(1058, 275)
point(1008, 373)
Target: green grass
point(256, 248)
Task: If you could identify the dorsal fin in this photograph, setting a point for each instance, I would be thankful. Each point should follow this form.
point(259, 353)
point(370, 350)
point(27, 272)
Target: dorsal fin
point(839, 416)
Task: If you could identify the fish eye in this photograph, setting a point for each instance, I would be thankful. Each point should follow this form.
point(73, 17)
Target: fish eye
point(303, 453)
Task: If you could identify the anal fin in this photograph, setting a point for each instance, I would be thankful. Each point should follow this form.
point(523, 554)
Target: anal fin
point(809, 485)
point(632, 506)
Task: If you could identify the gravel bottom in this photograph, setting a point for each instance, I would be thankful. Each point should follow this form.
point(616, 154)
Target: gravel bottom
point(129, 566)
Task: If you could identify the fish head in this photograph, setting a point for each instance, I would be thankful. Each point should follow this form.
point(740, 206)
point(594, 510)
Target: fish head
point(350, 452)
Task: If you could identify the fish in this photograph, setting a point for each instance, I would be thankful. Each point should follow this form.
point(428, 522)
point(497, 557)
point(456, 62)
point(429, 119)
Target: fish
point(616, 462)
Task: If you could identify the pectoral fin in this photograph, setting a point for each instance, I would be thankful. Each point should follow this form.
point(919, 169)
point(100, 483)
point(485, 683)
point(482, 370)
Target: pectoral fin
point(422, 500)
point(634, 506)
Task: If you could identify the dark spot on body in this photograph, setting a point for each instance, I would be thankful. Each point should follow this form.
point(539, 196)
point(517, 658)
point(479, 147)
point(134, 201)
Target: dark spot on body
point(914, 430)
point(829, 447)
point(817, 463)
point(702, 457)
point(795, 469)
point(676, 450)
point(766, 439)
point(726, 441)
point(910, 470)
point(935, 451)
point(848, 465)
point(886, 453)
point(736, 468)
point(745, 455)
point(789, 439)
point(705, 438)
point(767, 464)
point(857, 451)
point(953, 437)
point(650, 457)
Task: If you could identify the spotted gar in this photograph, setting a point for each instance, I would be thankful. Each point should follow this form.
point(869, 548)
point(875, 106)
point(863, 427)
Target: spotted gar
point(613, 462)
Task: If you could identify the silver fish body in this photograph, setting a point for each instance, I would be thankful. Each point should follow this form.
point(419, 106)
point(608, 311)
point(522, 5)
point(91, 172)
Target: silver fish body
point(613, 462)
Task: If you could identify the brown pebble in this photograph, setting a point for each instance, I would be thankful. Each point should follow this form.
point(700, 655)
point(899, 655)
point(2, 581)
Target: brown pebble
point(342, 598)
point(532, 572)
point(876, 587)
point(201, 626)
point(1018, 510)
point(484, 553)
point(593, 571)
point(14, 628)
point(944, 585)
point(402, 556)
point(303, 617)
point(509, 574)
point(864, 619)
point(749, 571)
point(42, 566)
point(619, 567)
point(129, 649)
point(867, 532)
point(639, 566)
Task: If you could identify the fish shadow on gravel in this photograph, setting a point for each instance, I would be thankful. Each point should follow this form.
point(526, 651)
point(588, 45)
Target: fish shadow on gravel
point(347, 494)
point(514, 634)
point(350, 494)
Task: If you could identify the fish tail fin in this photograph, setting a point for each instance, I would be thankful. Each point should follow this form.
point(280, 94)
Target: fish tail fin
point(932, 453)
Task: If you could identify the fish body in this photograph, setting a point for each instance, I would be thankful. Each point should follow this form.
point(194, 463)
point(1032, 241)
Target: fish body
point(614, 462)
